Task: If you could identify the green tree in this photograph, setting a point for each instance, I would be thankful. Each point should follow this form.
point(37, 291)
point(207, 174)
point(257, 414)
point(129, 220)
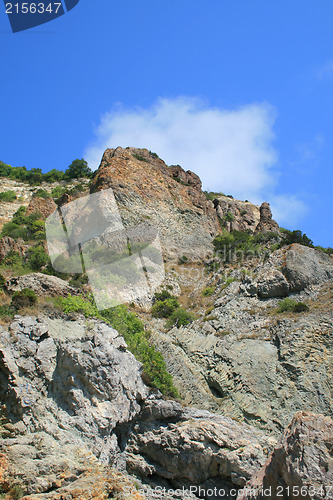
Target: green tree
point(78, 169)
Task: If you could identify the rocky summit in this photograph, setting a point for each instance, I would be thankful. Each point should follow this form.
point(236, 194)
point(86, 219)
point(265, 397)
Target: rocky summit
point(217, 386)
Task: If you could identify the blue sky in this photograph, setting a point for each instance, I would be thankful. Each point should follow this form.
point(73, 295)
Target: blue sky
point(238, 91)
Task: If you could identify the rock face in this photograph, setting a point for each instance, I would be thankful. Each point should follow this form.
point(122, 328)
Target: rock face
point(41, 284)
point(191, 447)
point(62, 396)
point(44, 206)
point(8, 244)
point(301, 465)
point(248, 362)
point(149, 192)
point(266, 224)
point(236, 215)
point(74, 396)
point(289, 270)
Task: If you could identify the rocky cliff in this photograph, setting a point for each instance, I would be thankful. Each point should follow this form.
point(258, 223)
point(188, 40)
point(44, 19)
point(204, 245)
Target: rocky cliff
point(250, 353)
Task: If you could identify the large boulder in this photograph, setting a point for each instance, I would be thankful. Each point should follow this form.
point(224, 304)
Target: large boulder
point(304, 266)
point(41, 284)
point(66, 389)
point(194, 448)
point(301, 465)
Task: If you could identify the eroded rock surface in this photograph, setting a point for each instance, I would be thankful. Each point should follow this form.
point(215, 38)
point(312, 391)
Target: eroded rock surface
point(41, 284)
point(301, 465)
point(148, 191)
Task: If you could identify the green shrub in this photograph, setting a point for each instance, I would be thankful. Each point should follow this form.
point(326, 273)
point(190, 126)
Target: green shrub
point(78, 304)
point(2, 281)
point(35, 176)
point(208, 291)
point(24, 298)
point(297, 236)
point(8, 196)
point(327, 250)
point(37, 258)
point(238, 245)
point(132, 329)
point(180, 317)
point(7, 312)
point(183, 259)
point(139, 157)
point(211, 195)
point(290, 305)
point(78, 280)
point(301, 307)
point(26, 227)
point(163, 295)
point(164, 308)
point(41, 193)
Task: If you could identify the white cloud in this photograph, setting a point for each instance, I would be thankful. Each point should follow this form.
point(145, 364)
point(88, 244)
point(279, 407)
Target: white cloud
point(231, 150)
point(287, 210)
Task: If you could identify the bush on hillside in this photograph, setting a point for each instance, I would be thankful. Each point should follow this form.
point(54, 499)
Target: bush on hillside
point(180, 317)
point(8, 196)
point(164, 308)
point(290, 305)
point(2, 281)
point(297, 236)
point(24, 298)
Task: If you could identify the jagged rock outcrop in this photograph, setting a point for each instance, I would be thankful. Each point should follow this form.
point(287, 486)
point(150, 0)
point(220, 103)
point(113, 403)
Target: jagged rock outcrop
point(148, 191)
point(8, 244)
point(236, 215)
point(41, 284)
point(266, 223)
point(41, 205)
point(301, 465)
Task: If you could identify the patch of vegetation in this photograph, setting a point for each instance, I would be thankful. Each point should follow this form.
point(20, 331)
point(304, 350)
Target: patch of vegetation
point(27, 227)
point(180, 181)
point(234, 246)
point(2, 281)
point(165, 308)
point(180, 317)
point(78, 280)
point(328, 250)
point(37, 258)
point(153, 155)
point(41, 193)
point(290, 305)
point(183, 259)
point(139, 157)
point(24, 298)
point(8, 196)
point(228, 217)
point(132, 329)
point(208, 291)
point(76, 170)
point(297, 236)
point(211, 195)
